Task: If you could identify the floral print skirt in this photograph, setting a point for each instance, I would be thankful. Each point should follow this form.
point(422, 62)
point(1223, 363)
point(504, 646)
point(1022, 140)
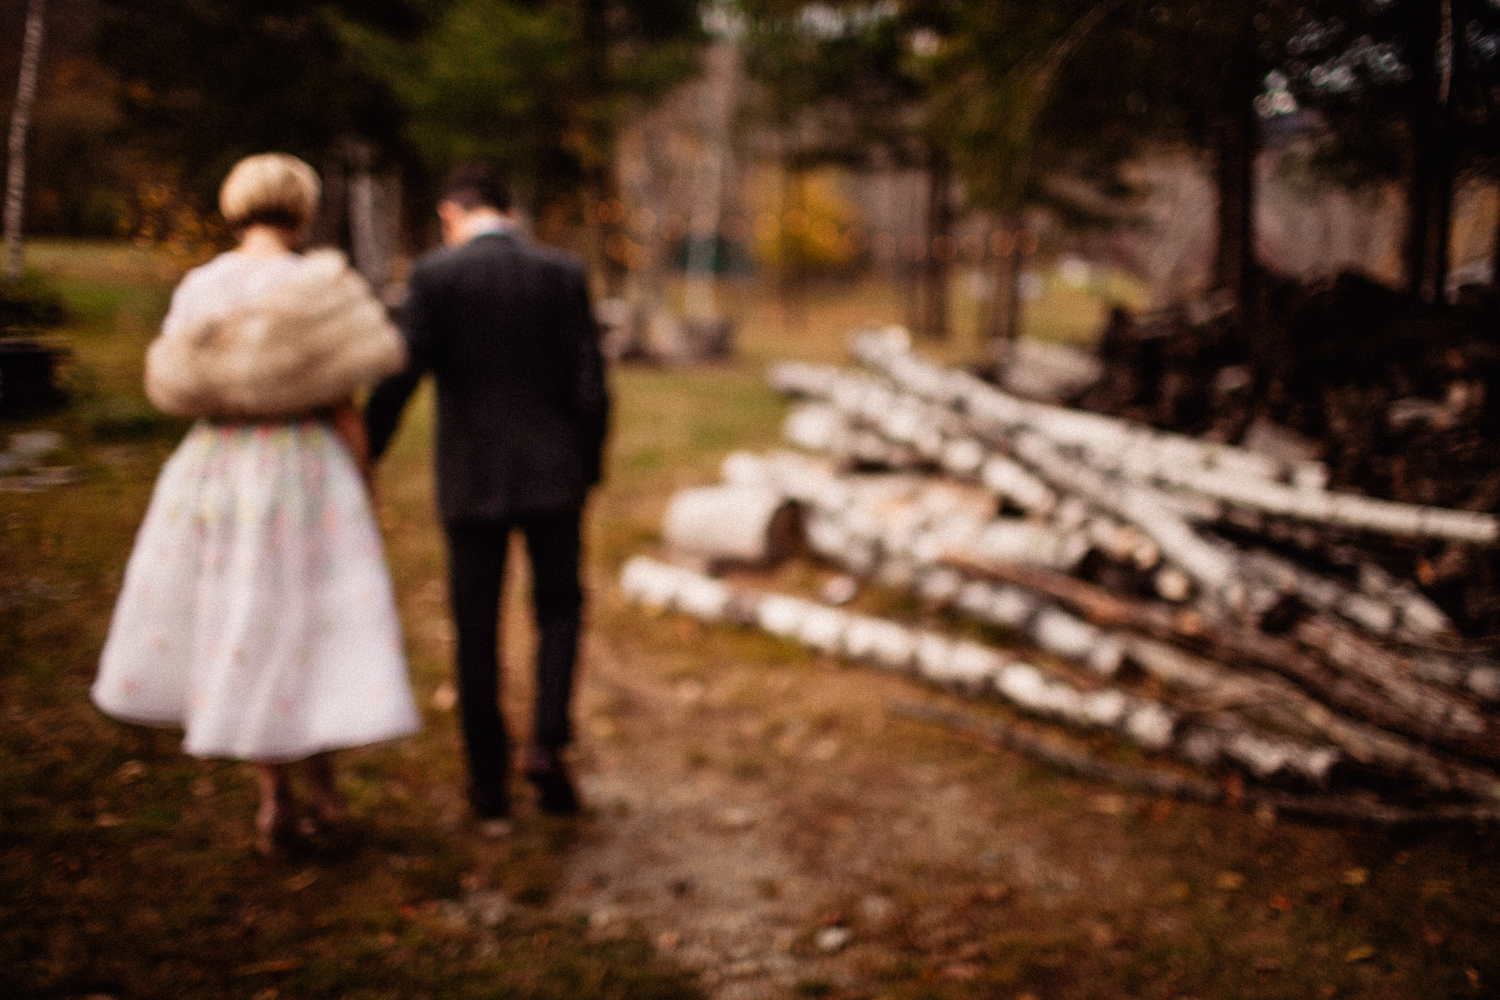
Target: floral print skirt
point(257, 612)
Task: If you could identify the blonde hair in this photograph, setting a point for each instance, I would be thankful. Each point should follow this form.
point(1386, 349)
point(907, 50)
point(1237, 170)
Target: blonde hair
point(272, 189)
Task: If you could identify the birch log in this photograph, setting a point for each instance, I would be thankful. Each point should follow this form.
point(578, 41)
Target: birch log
point(1207, 741)
point(1229, 475)
point(744, 524)
point(1154, 781)
point(1245, 583)
point(1267, 696)
point(1230, 643)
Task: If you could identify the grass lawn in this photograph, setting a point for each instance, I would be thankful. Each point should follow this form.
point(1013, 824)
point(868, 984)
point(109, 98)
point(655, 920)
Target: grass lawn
point(126, 868)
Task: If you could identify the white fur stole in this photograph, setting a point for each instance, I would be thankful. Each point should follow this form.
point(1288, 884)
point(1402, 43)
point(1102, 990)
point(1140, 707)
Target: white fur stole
point(308, 342)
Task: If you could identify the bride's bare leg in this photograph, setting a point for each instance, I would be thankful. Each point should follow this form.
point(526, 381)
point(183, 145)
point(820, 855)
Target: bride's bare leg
point(274, 820)
point(322, 788)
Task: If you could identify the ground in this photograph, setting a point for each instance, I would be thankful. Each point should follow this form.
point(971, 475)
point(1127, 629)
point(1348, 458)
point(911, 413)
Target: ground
point(762, 822)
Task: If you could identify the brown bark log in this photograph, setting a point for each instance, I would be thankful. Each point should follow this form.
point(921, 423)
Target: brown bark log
point(1235, 264)
point(1231, 643)
point(937, 260)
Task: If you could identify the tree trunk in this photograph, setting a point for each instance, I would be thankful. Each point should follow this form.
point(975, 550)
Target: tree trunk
point(1495, 253)
point(20, 122)
point(1235, 263)
point(1429, 196)
point(603, 212)
point(937, 261)
point(706, 210)
point(1004, 324)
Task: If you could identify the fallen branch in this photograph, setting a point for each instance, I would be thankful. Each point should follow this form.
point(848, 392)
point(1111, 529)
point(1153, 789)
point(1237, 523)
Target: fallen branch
point(1204, 741)
point(1191, 788)
point(1228, 642)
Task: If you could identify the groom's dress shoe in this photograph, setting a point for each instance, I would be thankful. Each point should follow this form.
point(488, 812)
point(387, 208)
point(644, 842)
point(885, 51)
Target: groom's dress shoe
point(555, 792)
point(489, 803)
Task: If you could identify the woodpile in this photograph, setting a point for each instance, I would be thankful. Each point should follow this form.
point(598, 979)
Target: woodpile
point(1171, 591)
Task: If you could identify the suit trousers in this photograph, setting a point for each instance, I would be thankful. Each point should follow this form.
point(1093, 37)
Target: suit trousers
point(476, 575)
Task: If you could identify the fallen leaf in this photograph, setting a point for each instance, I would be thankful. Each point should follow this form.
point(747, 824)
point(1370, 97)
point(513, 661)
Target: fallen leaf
point(299, 882)
point(1280, 902)
point(963, 971)
point(130, 770)
point(1355, 876)
point(994, 892)
point(1229, 881)
point(1268, 964)
point(1234, 791)
point(668, 940)
point(1108, 804)
point(107, 820)
point(1473, 975)
point(1359, 954)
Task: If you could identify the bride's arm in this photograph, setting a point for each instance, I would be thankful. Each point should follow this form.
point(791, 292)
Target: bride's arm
point(349, 425)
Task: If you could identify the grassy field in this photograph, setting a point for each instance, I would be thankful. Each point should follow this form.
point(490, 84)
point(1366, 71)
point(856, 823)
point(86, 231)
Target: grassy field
point(126, 869)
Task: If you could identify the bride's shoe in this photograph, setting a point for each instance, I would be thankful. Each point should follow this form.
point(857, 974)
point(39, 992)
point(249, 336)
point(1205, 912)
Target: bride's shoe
point(274, 825)
point(323, 792)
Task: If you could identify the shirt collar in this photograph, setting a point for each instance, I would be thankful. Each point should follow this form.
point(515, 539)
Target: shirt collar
point(501, 226)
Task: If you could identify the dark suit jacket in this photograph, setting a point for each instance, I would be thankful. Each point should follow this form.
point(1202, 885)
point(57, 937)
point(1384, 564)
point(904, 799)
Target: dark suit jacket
point(505, 327)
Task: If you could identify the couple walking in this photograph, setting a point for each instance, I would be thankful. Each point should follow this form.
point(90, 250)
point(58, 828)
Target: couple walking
point(256, 611)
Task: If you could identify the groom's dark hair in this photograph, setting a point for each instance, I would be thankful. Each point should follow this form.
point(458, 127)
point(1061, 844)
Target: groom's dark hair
point(477, 185)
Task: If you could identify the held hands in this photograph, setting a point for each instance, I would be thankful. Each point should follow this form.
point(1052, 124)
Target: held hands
point(349, 425)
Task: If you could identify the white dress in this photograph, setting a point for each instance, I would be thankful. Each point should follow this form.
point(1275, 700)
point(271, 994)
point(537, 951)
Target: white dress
point(256, 612)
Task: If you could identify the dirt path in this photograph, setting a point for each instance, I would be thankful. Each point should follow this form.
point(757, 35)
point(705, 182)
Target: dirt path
point(770, 826)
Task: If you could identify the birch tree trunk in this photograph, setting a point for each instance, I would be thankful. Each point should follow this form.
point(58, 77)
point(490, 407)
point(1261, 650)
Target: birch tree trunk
point(20, 123)
point(722, 63)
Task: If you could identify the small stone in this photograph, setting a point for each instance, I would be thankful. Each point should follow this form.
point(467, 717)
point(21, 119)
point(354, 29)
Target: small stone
point(488, 907)
point(495, 829)
point(668, 940)
point(839, 590)
point(832, 939)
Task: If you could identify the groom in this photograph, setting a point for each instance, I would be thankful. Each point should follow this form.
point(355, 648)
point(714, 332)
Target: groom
point(504, 326)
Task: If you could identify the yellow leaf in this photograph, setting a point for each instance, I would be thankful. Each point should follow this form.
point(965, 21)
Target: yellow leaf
point(1229, 881)
point(1359, 954)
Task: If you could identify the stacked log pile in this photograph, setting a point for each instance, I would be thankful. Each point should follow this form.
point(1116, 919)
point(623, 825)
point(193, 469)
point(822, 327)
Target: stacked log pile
point(1155, 579)
point(1399, 398)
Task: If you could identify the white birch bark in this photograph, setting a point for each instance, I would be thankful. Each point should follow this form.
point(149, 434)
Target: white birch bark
point(977, 669)
point(20, 123)
point(1229, 475)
